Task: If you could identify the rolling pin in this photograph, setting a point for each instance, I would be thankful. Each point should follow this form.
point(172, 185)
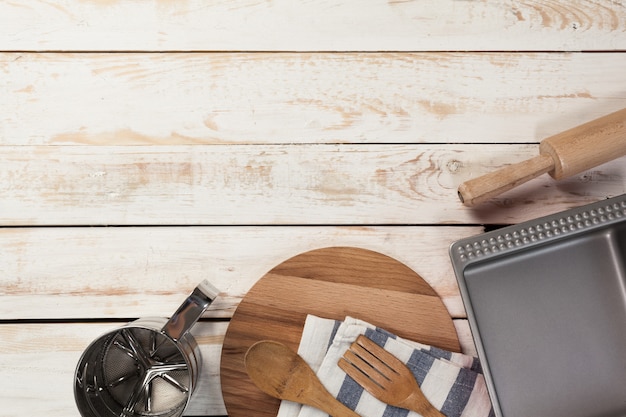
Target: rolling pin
point(562, 155)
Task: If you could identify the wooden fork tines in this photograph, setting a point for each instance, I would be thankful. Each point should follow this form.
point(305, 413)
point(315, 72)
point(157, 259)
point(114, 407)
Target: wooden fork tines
point(385, 377)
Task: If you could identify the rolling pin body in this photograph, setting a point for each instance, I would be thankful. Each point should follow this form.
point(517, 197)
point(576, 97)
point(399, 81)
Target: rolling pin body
point(562, 155)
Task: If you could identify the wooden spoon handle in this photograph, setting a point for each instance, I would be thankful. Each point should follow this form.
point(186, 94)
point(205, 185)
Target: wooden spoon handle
point(330, 405)
point(336, 409)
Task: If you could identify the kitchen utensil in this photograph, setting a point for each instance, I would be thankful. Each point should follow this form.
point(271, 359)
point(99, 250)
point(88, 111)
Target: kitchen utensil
point(282, 373)
point(147, 368)
point(385, 377)
point(332, 283)
point(562, 155)
point(546, 303)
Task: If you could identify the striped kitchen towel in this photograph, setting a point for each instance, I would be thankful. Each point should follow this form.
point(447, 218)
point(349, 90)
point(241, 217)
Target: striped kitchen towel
point(452, 382)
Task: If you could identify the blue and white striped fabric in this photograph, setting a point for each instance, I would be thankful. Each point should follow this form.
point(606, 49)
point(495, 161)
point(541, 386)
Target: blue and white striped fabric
point(452, 382)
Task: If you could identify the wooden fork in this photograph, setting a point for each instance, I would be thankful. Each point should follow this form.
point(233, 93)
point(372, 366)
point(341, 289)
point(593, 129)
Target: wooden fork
point(385, 377)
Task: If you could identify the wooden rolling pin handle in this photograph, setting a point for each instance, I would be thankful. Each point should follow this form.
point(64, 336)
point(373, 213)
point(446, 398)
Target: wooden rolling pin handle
point(562, 155)
point(479, 189)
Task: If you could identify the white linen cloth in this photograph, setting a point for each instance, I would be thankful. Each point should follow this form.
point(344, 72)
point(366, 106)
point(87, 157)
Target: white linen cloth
point(452, 382)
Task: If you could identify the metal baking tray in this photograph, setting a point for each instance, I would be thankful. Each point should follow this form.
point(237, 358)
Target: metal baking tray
point(546, 303)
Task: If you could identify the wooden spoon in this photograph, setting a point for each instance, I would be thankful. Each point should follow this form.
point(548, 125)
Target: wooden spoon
point(283, 374)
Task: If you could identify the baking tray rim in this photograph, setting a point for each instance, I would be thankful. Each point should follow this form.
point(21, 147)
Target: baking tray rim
point(508, 240)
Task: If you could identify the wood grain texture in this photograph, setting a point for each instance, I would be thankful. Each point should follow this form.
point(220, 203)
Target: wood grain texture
point(280, 372)
point(368, 25)
point(562, 155)
point(332, 283)
point(38, 361)
point(224, 140)
point(275, 184)
point(365, 360)
point(586, 146)
point(272, 98)
point(122, 272)
point(481, 189)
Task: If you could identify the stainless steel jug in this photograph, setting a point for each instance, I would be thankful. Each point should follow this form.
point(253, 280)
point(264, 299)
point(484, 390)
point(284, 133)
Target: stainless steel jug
point(148, 367)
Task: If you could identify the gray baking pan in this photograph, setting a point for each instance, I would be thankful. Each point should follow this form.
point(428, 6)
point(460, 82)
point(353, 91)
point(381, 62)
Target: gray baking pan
point(546, 302)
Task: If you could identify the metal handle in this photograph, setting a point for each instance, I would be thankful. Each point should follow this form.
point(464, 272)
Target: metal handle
point(190, 311)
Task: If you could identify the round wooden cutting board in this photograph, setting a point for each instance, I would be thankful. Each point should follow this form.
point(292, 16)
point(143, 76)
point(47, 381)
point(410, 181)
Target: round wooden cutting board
point(332, 283)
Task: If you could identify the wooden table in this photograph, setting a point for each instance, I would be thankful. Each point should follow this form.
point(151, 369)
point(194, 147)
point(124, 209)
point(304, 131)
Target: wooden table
point(147, 145)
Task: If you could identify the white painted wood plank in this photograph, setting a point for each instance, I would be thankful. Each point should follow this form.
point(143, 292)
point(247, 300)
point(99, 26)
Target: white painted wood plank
point(38, 362)
point(359, 25)
point(189, 99)
point(277, 184)
point(465, 337)
point(70, 273)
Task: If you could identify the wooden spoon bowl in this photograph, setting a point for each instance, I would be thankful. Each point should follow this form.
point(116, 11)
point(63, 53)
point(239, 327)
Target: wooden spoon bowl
point(282, 373)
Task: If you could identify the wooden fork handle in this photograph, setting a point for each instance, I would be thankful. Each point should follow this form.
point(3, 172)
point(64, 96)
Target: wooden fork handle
point(418, 403)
